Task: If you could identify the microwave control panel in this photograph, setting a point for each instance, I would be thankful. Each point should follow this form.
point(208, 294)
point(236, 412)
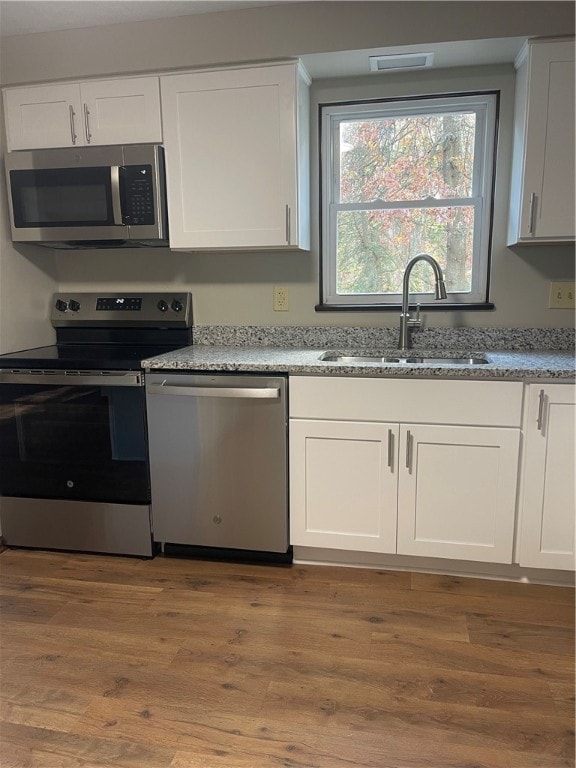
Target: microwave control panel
point(137, 194)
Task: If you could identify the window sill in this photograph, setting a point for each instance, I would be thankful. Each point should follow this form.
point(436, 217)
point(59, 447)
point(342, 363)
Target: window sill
point(439, 307)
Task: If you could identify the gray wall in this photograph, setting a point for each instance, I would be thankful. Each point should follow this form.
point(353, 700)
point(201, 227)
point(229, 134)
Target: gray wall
point(28, 278)
point(237, 288)
point(284, 30)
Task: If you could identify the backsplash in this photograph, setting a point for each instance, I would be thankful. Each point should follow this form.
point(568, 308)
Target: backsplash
point(431, 338)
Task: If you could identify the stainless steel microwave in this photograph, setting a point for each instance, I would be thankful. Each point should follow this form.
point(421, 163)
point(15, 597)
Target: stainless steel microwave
point(93, 197)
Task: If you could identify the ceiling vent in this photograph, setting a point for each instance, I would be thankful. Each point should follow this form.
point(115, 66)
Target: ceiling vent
point(400, 61)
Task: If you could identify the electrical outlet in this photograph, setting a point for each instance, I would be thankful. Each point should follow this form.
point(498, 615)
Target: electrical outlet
point(561, 295)
point(281, 303)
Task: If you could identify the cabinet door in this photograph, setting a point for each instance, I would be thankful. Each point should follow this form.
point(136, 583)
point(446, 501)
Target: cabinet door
point(124, 111)
point(230, 139)
point(549, 169)
point(548, 499)
point(343, 478)
point(457, 492)
point(43, 116)
point(545, 167)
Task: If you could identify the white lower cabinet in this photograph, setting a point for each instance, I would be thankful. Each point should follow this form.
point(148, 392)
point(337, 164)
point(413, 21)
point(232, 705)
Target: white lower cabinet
point(344, 481)
point(548, 505)
point(457, 492)
point(444, 490)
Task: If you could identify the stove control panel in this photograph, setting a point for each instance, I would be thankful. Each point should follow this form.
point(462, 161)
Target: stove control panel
point(119, 304)
point(152, 310)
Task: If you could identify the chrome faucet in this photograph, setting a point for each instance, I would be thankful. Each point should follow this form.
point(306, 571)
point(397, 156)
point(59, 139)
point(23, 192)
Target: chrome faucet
point(407, 322)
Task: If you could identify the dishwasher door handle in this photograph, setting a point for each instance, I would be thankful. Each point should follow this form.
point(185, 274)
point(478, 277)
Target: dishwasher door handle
point(269, 393)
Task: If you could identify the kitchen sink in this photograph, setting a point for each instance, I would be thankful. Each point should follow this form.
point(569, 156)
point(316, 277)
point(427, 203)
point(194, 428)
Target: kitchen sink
point(379, 357)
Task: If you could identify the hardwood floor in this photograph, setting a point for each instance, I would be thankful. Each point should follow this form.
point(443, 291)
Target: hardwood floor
point(171, 663)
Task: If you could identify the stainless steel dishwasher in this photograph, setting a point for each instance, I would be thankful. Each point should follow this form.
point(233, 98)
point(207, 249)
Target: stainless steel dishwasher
point(218, 464)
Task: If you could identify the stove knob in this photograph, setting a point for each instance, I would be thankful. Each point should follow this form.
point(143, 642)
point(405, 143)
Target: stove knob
point(61, 306)
point(177, 306)
point(163, 305)
point(73, 305)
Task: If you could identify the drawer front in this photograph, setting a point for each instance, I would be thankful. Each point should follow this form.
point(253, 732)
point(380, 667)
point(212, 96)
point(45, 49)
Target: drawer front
point(474, 403)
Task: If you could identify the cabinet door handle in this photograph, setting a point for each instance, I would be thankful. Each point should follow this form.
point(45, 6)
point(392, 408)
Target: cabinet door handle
point(540, 419)
point(72, 128)
point(87, 123)
point(409, 451)
point(288, 224)
point(531, 214)
point(391, 450)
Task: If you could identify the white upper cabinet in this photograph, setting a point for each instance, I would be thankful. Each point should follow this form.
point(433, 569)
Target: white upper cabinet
point(122, 111)
point(43, 116)
point(542, 187)
point(237, 158)
point(117, 111)
point(548, 506)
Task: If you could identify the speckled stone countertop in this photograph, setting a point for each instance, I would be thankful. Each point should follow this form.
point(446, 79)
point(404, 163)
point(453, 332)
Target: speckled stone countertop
point(537, 353)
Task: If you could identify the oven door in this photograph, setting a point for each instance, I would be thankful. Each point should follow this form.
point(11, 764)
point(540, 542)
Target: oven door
point(75, 437)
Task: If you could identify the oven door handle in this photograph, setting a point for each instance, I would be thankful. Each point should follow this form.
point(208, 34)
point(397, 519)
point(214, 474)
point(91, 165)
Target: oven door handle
point(261, 393)
point(73, 379)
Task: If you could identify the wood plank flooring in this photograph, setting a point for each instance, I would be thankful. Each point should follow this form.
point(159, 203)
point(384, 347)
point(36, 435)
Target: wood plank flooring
point(169, 663)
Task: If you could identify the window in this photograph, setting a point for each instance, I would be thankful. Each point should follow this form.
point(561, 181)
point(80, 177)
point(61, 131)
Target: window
point(401, 178)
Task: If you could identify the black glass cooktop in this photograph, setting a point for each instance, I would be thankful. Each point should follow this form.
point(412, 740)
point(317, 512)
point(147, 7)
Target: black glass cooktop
point(84, 356)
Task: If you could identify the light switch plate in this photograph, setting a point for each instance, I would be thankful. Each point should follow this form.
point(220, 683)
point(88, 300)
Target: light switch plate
point(561, 295)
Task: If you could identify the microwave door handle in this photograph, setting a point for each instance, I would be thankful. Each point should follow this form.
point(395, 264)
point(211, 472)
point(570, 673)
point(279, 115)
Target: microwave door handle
point(115, 188)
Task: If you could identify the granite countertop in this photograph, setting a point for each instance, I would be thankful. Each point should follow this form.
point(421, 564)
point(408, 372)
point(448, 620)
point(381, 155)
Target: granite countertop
point(502, 364)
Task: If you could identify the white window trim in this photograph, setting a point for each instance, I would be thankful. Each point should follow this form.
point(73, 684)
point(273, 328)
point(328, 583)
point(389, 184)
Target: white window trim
point(485, 106)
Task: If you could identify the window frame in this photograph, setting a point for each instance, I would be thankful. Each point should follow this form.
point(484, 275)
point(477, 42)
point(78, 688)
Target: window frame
point(485, 104)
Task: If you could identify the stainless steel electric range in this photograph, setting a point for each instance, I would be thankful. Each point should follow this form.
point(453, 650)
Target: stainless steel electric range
point(73, 449)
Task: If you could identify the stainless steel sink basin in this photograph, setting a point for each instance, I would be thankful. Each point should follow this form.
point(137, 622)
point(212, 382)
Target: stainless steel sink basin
point(378, 357)
point(336, 357)
point(447, 360)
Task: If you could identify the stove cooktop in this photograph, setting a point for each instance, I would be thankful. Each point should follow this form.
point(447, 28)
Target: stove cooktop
point(109, 331)
point(113, 357)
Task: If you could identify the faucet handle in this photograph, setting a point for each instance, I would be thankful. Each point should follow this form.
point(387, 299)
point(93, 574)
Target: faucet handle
point(415, 322)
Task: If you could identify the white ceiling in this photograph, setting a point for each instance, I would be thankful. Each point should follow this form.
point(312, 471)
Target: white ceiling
point(20, 17)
